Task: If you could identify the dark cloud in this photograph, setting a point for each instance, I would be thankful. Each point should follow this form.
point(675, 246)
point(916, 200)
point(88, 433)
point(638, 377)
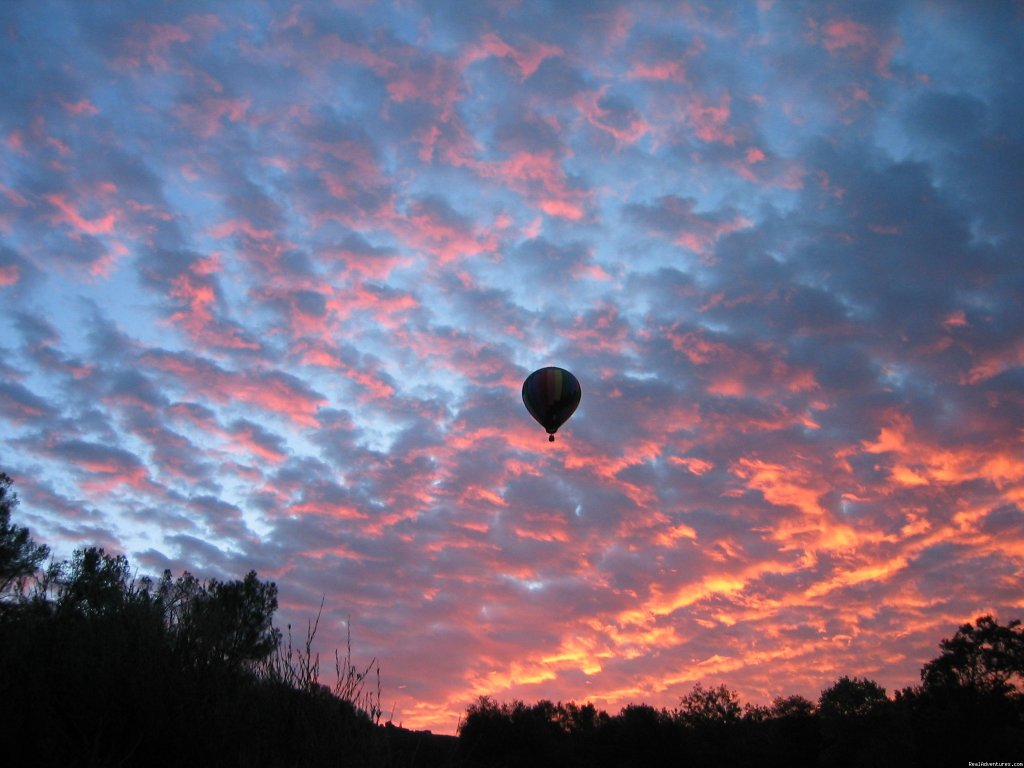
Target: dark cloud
point(676, 217)
point(20, 405)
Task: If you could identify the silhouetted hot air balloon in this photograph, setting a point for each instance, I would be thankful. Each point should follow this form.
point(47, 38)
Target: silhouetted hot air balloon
point(551, 395)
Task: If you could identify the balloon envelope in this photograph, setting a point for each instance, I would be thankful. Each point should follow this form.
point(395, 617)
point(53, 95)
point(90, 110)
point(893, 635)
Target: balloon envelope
point(551, 395)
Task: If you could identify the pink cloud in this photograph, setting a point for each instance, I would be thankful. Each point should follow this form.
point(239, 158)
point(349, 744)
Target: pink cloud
point(104, 266)
point(357, 155)
point(333, 46)
point(19, 405)
point(694, 465)
point(107, 477)
point(279, 394)
point(993, 363)
point(205, 118)
point(149, 44)
point(389, 309)
point(81, 107)
point(324, 355)
point(248, 438)
point(9, 275)
point(441, 232)
point(260, 246)
point(563, 209)
point(738, 372)
point(709, 120)
point(197, 308)
point(16, 198)
point(101, 468)
point(272, 391)
point(676, 217)
point(589, 105)
point(856, 40)
point(15, 141)
point(729, 502)
point(539, 176)
point(956, 319)
point(527, 59)
point(845, 33)
point(671, 71)
point(240, 226)
point(330, 509)
point(152, 44)
point(67, 213)
point(432, 79)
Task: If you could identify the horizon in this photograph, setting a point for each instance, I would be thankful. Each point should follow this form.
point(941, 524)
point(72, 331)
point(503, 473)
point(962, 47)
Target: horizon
point(271, 279)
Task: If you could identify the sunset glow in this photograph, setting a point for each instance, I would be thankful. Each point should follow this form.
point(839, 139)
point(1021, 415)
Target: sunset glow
point(272, 276)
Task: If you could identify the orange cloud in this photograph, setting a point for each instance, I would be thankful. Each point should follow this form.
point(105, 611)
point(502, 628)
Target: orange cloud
point(914, 461)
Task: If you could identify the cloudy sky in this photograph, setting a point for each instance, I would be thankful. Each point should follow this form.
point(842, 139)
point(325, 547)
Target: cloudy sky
point(272, 275)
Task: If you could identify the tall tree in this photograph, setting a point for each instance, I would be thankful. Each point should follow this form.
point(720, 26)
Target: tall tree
point(851, 697)
point(20, 556)
point(985, 658)
point(704, 706)
point(222, 622)
point(791, 706)
point(93, 582)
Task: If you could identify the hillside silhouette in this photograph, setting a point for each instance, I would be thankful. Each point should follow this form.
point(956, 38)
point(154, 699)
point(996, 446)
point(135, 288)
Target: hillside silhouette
point(100, 668)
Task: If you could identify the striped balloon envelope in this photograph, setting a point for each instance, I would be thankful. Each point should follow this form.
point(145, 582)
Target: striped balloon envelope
point(551, 395)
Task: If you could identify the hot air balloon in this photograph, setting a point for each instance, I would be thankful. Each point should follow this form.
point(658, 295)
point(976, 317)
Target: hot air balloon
point(551, 395)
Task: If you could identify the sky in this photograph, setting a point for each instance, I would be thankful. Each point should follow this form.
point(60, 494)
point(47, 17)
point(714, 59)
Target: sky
point(272, 275)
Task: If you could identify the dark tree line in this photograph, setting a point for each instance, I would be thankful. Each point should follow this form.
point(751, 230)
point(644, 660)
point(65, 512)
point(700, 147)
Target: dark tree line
point(98, 668)
point(969, 707)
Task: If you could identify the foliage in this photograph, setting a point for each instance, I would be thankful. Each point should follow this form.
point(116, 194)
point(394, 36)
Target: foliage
point(782, 707)
point(985, 658)
point(791, 707)
point(299, 668)
point(171, 671)
point(851, 697)
point(853, 724)
point(226, 624)
point(706, 706)
point(856, 724)
point(970, 699)
point(93, 583)
point(20, 557)
point(511, 734)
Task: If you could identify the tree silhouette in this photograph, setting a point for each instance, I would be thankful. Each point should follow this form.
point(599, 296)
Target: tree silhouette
point(970, 698)
point(986, 659)
point(708, 706)
point(224, 623)
point(20, 556)
point(791, 706)
point(92, 583)
point(164, 672)
point(851, 697)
